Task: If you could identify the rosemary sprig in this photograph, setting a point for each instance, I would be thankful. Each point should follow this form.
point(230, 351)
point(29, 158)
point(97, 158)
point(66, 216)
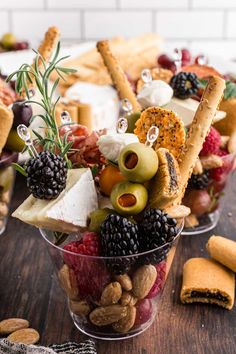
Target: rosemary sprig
point(40, 74)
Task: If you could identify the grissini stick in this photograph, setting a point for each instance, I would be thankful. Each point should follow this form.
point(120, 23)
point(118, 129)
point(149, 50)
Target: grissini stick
point(199, 129)
point(45, 49)
point(48, 44)
point(117, 74)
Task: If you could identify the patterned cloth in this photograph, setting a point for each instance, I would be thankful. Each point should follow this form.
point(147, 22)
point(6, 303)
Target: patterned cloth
point(87, 347)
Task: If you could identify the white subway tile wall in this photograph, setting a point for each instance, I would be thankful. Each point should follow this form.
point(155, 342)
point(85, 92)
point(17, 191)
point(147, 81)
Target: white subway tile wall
point(203, 25)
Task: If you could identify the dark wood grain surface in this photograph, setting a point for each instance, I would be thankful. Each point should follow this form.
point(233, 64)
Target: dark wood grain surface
point(28, 289)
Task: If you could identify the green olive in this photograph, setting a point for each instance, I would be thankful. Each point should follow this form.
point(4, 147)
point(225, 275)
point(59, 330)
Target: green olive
point(132, 119)
point(138, 162)
point(129, 198)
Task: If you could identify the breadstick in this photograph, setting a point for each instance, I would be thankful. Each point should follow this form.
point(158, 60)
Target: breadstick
point(45, 49)
point(48, 44)
point(199, 129)
point(117, 74)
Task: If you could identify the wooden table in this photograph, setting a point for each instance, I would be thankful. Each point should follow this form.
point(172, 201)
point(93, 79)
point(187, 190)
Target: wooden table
point(28, 289)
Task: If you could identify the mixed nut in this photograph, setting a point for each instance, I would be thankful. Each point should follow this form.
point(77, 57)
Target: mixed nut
point(17, 330)
point(119, 301)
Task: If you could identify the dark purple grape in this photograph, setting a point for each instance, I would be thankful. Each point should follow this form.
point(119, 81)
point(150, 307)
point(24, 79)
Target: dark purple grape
point(22, 113)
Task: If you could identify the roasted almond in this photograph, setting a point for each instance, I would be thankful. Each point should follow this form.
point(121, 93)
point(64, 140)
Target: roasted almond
point(127, 298)
point(124, 281)
point(80, 308)
point(106, 315)
point(12, 324)
point(25, 336)
point(127, 322)
point(111, 294)
point(143, 280)
point(68, 282)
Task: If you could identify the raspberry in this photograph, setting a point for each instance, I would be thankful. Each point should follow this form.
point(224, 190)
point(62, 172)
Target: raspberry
point(212, 143)
point(160, 280)
point(219, 174)
point(91, 274)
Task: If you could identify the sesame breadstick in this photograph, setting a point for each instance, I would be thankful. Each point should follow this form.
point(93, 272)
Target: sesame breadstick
point(117, 74)
point(48, 44)
point(45, 49)
point(199, 129)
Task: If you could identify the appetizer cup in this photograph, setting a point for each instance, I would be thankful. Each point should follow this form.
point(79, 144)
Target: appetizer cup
point(207, 203)
point(112, 306)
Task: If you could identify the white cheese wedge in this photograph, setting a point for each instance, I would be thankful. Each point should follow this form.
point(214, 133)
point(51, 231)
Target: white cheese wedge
point(186, 109)
point(67, 213)
point(103, 100)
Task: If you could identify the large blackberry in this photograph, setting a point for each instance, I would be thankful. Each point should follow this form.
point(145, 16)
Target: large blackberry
point(156, 229)
point(119, 238)
point(46, 175)
point(184, 84)
point(200, 181)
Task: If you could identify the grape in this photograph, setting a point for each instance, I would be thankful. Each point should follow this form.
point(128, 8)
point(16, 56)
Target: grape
point(186, 56)
point(166, 62)
point(144, 311)
point(22, 113)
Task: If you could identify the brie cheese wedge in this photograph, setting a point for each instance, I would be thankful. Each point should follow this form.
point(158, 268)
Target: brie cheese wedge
point(67, 213)
point(186, 109)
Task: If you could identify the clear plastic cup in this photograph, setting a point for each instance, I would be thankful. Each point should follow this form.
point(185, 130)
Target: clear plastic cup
point(216, 189)
point(83, 278)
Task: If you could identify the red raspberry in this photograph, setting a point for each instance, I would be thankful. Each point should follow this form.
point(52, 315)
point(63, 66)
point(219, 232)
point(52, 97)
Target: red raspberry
point(91, 274)
point(220, 174)
point(160, 280)
point(212, 143)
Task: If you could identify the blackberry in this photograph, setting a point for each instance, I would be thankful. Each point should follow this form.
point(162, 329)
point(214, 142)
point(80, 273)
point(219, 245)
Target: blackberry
point(119, 238)
point(184, 84)
point(46, 175)
point(200, 181)
point(156, 229)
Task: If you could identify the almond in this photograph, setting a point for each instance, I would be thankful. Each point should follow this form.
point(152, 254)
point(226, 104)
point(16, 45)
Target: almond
point(25, 336)
point(68, 282)
point(12, 324)
point(111, 294)
point(143, 280)
point(80, 308)
point(124, 281)
point(128, 299)
point(127, 322)
point(106, 315)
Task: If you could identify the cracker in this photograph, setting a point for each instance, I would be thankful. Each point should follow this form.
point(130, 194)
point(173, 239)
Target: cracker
point(171, 129)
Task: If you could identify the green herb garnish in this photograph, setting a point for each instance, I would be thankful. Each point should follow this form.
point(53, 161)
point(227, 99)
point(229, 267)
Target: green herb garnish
point(39, 73)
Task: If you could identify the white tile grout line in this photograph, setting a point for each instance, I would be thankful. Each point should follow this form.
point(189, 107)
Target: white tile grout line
point(225, 15)
point(82, 25)
point(153, 21)
point(118, 5)
point(10, 21)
